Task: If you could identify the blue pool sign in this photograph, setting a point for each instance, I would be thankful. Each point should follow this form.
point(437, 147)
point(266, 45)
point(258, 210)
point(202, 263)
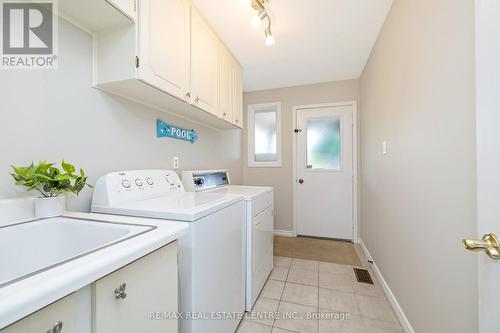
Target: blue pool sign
point(166, 130)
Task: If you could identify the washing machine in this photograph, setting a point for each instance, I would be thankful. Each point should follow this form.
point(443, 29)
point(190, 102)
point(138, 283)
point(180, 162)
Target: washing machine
point(211, 256)
point(259, 212)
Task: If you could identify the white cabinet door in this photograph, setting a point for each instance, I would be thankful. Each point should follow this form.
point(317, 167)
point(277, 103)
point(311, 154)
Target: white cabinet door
point(151, 286)
point(71, 314)
point(226, 85)
point(164, 43)
point(204, 65)
point(237, 95)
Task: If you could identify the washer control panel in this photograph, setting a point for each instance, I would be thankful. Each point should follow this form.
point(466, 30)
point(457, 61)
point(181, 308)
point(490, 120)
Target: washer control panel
point(126, 186)
point(195, 181)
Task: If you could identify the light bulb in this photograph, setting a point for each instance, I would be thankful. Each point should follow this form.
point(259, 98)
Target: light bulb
point(258, 18)
point(270, 40)
point(256, 21)
point(269, 37)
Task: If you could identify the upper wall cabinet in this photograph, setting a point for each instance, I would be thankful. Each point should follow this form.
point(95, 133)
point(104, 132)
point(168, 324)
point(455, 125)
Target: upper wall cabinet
point(163, 54)
point(230, 89)
point(237, 94)
point(226, 87)
point(164, 45)
point(204, 65)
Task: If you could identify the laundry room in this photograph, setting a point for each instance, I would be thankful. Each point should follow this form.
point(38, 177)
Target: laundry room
point(249, 166)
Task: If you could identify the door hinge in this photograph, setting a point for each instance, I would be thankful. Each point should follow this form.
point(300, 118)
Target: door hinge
point(297, 130)
point(136, 62)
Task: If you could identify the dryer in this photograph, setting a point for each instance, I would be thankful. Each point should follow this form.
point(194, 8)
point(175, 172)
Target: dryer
point(259, 214)
point(211, 256)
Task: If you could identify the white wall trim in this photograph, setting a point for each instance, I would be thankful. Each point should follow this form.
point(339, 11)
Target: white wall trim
point(405, 323)
point(355, 197)
point(285, 233)
point(251, 110)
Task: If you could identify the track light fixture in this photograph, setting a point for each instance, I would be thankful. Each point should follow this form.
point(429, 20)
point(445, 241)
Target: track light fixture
point(258, 18)
point(269, 37)
point(260, 6)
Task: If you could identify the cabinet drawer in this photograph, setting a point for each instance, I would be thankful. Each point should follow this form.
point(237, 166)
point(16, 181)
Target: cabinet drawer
point(73, 311)
point(262, 203)
point(126, 300)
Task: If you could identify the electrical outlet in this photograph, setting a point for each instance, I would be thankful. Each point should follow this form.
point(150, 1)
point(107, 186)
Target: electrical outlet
point(176, 163)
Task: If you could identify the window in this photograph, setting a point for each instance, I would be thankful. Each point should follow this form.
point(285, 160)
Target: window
point(323, 143)
point(264, 135)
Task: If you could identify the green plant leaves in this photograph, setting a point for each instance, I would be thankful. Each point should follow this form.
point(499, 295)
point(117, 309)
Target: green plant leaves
point(50, 181)
point(67, 167)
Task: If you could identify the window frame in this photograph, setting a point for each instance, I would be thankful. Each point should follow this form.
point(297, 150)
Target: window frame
point(252, 109)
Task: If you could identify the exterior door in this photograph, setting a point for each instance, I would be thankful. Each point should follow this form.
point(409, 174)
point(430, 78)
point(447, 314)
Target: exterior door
point(164, 43)
point(488, 158)
point(324, 172)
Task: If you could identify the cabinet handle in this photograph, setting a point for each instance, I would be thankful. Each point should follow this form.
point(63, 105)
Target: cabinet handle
point(197, 99)
point(188, 95)
point(57, 328)
point(120, 291)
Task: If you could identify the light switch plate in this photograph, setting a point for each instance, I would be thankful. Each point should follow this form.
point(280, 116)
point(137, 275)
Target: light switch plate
point(384, 147)
point(175, 161)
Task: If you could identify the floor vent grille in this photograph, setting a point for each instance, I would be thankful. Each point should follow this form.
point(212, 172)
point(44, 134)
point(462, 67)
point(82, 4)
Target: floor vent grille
point(363, 276)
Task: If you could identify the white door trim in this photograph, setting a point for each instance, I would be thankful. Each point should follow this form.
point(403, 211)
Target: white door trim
point(355, 234)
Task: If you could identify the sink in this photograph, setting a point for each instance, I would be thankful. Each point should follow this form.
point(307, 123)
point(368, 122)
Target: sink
point(32, 247)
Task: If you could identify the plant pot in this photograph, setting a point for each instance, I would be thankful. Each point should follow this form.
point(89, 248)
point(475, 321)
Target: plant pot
point(50, 207)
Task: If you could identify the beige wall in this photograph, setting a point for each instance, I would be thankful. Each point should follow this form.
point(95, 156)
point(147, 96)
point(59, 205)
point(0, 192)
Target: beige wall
point(57, 114)
point(417, 92)
point(282, 178)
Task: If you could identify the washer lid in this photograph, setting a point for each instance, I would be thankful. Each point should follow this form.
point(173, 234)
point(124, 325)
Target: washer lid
point(185, 206)
point(249, 192)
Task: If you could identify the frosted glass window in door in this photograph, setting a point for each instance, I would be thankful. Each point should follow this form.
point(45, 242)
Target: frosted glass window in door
point(323, 143)
point(265, 136)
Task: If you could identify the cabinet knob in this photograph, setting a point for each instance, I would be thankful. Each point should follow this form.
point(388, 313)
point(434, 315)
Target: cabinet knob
point(120, 291)
point(237, 121)
point(224, 114)
point(197, 99)
point(188, 95)
point(57, 328)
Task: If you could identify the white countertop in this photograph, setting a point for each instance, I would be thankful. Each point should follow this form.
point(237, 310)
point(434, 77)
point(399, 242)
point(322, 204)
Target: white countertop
point(26, 296)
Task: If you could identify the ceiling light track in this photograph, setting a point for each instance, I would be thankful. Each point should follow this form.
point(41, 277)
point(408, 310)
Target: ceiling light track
point(260, 6)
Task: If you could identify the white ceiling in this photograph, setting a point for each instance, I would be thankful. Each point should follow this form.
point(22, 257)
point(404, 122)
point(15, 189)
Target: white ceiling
point(316, 40)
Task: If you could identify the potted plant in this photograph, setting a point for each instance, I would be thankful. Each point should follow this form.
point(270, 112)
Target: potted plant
point(51, 183)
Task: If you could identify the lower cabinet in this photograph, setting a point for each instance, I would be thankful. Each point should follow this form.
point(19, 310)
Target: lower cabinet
point(70, 314)
point(139, 297)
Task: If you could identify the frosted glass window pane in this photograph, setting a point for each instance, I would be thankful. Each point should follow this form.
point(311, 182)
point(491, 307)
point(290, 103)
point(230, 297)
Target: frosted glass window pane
point(323, 143)
point(265, 136)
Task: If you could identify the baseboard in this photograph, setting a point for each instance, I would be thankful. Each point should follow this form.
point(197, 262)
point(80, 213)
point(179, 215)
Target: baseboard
point(285, 233)
point(405, 323)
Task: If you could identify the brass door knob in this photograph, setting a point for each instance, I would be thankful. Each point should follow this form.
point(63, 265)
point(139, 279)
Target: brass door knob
point(488, 244)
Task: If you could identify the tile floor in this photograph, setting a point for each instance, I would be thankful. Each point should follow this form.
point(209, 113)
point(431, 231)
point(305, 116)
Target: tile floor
point(305, 296)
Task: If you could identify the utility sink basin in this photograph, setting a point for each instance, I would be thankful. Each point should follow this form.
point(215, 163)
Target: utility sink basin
point(32, 247)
